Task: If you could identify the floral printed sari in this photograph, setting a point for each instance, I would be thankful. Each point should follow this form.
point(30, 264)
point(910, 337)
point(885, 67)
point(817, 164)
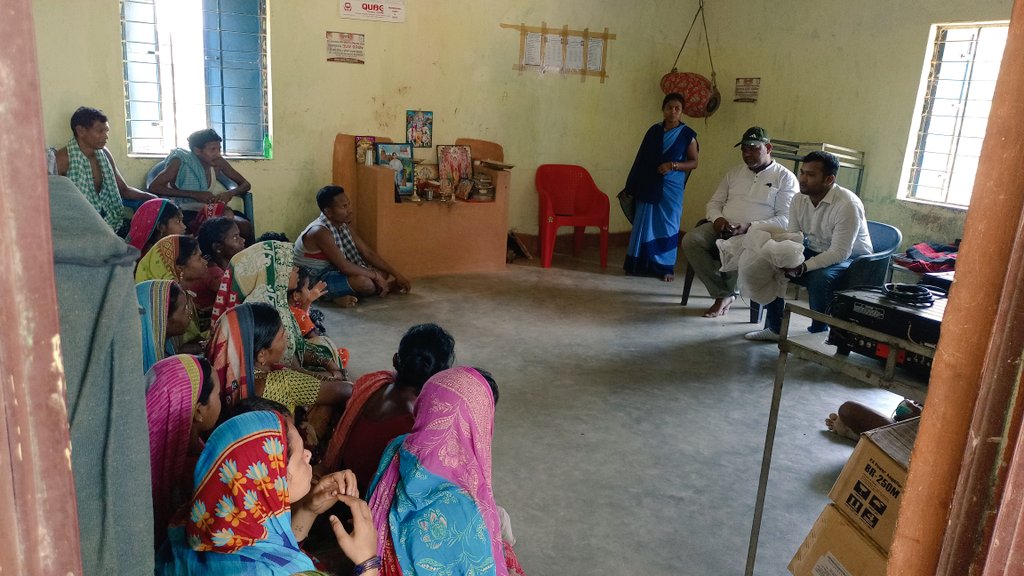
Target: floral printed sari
point(431, 500)
point(239, 518)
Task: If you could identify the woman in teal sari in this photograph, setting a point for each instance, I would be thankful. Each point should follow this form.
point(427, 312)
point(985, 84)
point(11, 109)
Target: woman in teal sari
point(432, 500)
point(165, 317)
point(657, 180)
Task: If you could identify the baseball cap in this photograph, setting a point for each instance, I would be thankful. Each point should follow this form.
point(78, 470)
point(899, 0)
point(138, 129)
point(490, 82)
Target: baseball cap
point(754, 135)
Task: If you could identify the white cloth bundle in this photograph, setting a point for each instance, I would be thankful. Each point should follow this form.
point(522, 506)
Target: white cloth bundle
point(759, 255)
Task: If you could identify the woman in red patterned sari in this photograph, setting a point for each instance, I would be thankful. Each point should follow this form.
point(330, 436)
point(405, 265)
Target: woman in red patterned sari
point(382, 402)
point(248, 511)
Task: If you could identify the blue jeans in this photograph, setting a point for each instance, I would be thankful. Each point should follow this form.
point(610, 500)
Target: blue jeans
point(820, 286)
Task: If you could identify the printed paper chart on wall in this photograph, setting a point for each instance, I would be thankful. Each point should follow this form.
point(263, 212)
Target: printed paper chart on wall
point(562, 50)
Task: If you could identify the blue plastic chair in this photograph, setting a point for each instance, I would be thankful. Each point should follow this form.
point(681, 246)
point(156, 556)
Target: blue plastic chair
point(872, 269)
point(226, 182)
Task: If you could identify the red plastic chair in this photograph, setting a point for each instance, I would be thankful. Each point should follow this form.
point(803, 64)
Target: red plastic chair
point(569, 197)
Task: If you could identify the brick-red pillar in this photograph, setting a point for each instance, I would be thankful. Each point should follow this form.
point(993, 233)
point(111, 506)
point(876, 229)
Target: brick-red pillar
point(948, 466)
point(38, 516)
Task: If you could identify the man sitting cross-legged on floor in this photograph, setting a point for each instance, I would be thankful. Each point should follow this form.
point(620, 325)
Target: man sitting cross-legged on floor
point(338, 256)
point(835, 231)
point(760, 190)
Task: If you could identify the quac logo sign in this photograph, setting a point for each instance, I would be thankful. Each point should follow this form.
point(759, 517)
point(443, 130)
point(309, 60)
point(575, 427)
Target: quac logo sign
point(387, 11)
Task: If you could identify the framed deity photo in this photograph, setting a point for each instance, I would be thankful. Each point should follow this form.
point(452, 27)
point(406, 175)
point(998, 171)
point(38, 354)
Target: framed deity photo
point(454, 163)
point(419, 128)
point(398, 157)
point(426, 172)
point(364, 146)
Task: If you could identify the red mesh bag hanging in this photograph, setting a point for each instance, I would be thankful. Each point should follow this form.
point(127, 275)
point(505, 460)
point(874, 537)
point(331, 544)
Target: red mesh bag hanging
point(700, 96)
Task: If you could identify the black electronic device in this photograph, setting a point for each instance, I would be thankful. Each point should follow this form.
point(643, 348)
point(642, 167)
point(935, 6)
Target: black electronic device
point(942, 280)
point(903, 312)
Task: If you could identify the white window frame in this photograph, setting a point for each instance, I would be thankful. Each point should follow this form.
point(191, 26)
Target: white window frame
point(946, 176)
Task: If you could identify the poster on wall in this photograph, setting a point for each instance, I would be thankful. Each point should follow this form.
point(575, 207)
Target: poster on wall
point(747, 89)
point(346, 47)
point(419, 127)
point(381, 11)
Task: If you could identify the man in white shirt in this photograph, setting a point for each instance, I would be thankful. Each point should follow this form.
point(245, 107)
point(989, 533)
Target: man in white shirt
point(759, 190)
point(835, 231)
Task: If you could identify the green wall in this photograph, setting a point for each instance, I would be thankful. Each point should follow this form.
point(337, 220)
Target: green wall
point(845, 73)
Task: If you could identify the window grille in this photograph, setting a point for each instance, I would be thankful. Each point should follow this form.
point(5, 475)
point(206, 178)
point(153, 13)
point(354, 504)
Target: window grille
point(193, 64)
point(955, 103)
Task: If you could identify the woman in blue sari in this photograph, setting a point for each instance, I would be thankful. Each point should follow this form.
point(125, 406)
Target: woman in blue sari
point(667, 155)
point(165, 316)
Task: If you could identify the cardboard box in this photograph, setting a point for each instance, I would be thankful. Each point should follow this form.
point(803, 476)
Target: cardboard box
point(835, 547)
point(870, 488)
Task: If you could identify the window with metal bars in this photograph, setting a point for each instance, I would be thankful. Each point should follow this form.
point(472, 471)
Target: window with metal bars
point(956, 96)
point(195, 64)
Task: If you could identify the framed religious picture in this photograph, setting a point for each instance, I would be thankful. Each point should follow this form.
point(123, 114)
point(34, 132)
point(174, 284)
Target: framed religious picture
point(454, 163)
point(364, 146)
point(419, 126)
point(426, 172)
point(426, 180)
point(398, 157)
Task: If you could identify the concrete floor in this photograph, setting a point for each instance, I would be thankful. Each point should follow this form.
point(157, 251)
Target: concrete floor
point(630, 429)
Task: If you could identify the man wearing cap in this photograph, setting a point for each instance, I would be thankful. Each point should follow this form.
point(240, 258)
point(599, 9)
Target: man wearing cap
point(757, 191)
point(835, 231)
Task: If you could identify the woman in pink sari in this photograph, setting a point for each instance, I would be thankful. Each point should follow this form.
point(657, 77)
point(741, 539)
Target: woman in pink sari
point(446, 517)
point(153, 220)
point(182, 402)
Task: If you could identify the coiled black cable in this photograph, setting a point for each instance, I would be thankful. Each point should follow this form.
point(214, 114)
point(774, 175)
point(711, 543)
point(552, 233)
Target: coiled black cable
point(914, 295)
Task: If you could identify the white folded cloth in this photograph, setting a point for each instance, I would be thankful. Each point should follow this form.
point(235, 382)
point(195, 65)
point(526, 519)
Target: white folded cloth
point(759, 256)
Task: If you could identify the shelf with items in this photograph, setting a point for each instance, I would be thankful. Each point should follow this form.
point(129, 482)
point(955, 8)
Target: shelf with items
point(427, 238)
point(852, 160)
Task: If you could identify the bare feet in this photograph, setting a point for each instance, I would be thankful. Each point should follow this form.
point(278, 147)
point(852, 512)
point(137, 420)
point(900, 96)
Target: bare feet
point(720, 307)
point(835, 424)
point(668, 278)
point(345, 301)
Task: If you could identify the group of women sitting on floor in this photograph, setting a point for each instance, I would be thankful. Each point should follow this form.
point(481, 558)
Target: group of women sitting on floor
point(239, 398)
